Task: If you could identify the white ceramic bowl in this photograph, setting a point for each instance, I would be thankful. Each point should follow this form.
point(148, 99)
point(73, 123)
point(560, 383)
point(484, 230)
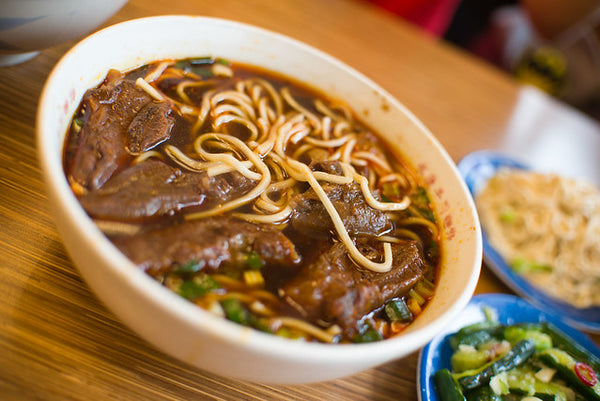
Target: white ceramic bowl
point(175, 325)
point(28, 26)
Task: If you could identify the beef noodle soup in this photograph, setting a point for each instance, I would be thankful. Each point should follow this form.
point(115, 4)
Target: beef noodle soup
point(255, 198)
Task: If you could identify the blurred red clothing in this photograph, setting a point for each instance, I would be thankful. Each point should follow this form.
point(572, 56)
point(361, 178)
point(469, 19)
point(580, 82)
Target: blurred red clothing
point(432, 15)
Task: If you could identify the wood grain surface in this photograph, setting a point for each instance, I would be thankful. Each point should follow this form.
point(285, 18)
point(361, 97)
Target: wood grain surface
point(58, 342)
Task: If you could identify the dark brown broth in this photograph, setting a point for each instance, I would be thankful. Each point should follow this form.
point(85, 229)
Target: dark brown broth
point(310, 248)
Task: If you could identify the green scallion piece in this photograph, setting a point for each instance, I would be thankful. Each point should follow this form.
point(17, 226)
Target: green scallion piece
point(433, 252)
point(198, 286)
point(368, 335)
point(508, 215)
point(521, 265)
point(193, 266)
point(422, 203)
point(260, 323)
point(254, 261)
point(235, 311)
point(223, 61)
point(202, 60)
point(397, 311)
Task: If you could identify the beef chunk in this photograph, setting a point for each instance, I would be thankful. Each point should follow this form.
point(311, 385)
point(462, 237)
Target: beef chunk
point(109, 111)
point(334, 289)
point(214, 243)
point(153, 189)
point(151, 126)
point(310, 217)
point(327, 166)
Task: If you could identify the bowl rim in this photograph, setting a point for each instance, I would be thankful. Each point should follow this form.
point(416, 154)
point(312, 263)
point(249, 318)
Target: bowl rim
point(57, 186)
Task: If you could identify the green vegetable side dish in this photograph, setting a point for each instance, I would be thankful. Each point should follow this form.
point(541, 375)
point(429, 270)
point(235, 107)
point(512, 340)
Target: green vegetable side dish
point(522, 361)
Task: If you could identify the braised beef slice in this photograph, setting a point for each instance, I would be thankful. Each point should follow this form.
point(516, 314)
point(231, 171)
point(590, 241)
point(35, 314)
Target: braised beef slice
point(327, 166)
point(109, 111)
point(310, 217)
point(151, 126)
point(333, 289)
point(213, 243)
point(153, 189)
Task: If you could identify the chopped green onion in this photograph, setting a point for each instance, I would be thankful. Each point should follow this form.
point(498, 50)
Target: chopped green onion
point(508, 215)
point(254, 261)
point(198, 286)
point(201, 66)
point(260, 323)
point(235, 311)
point(201, 60)
point(223, 61)
point(367, 336)
point(425, 288)
point(193, 266)
point(416, 296)
point(521, 265)
point(433, 252)
point(397, 311)
point(420, 200)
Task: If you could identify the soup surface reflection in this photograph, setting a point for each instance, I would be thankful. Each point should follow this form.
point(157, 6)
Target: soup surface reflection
point(255, 198)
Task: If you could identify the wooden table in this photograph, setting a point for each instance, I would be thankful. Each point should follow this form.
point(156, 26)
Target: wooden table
point(57, 342)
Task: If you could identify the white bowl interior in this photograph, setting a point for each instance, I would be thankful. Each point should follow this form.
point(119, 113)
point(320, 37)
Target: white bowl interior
point(175, 325)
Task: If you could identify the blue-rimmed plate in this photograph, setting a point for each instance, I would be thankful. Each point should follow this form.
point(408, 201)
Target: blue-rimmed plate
point(476, 168)
point(510, 309)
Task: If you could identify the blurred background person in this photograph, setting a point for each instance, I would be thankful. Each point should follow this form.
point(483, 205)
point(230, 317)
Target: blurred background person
point(551, 44)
